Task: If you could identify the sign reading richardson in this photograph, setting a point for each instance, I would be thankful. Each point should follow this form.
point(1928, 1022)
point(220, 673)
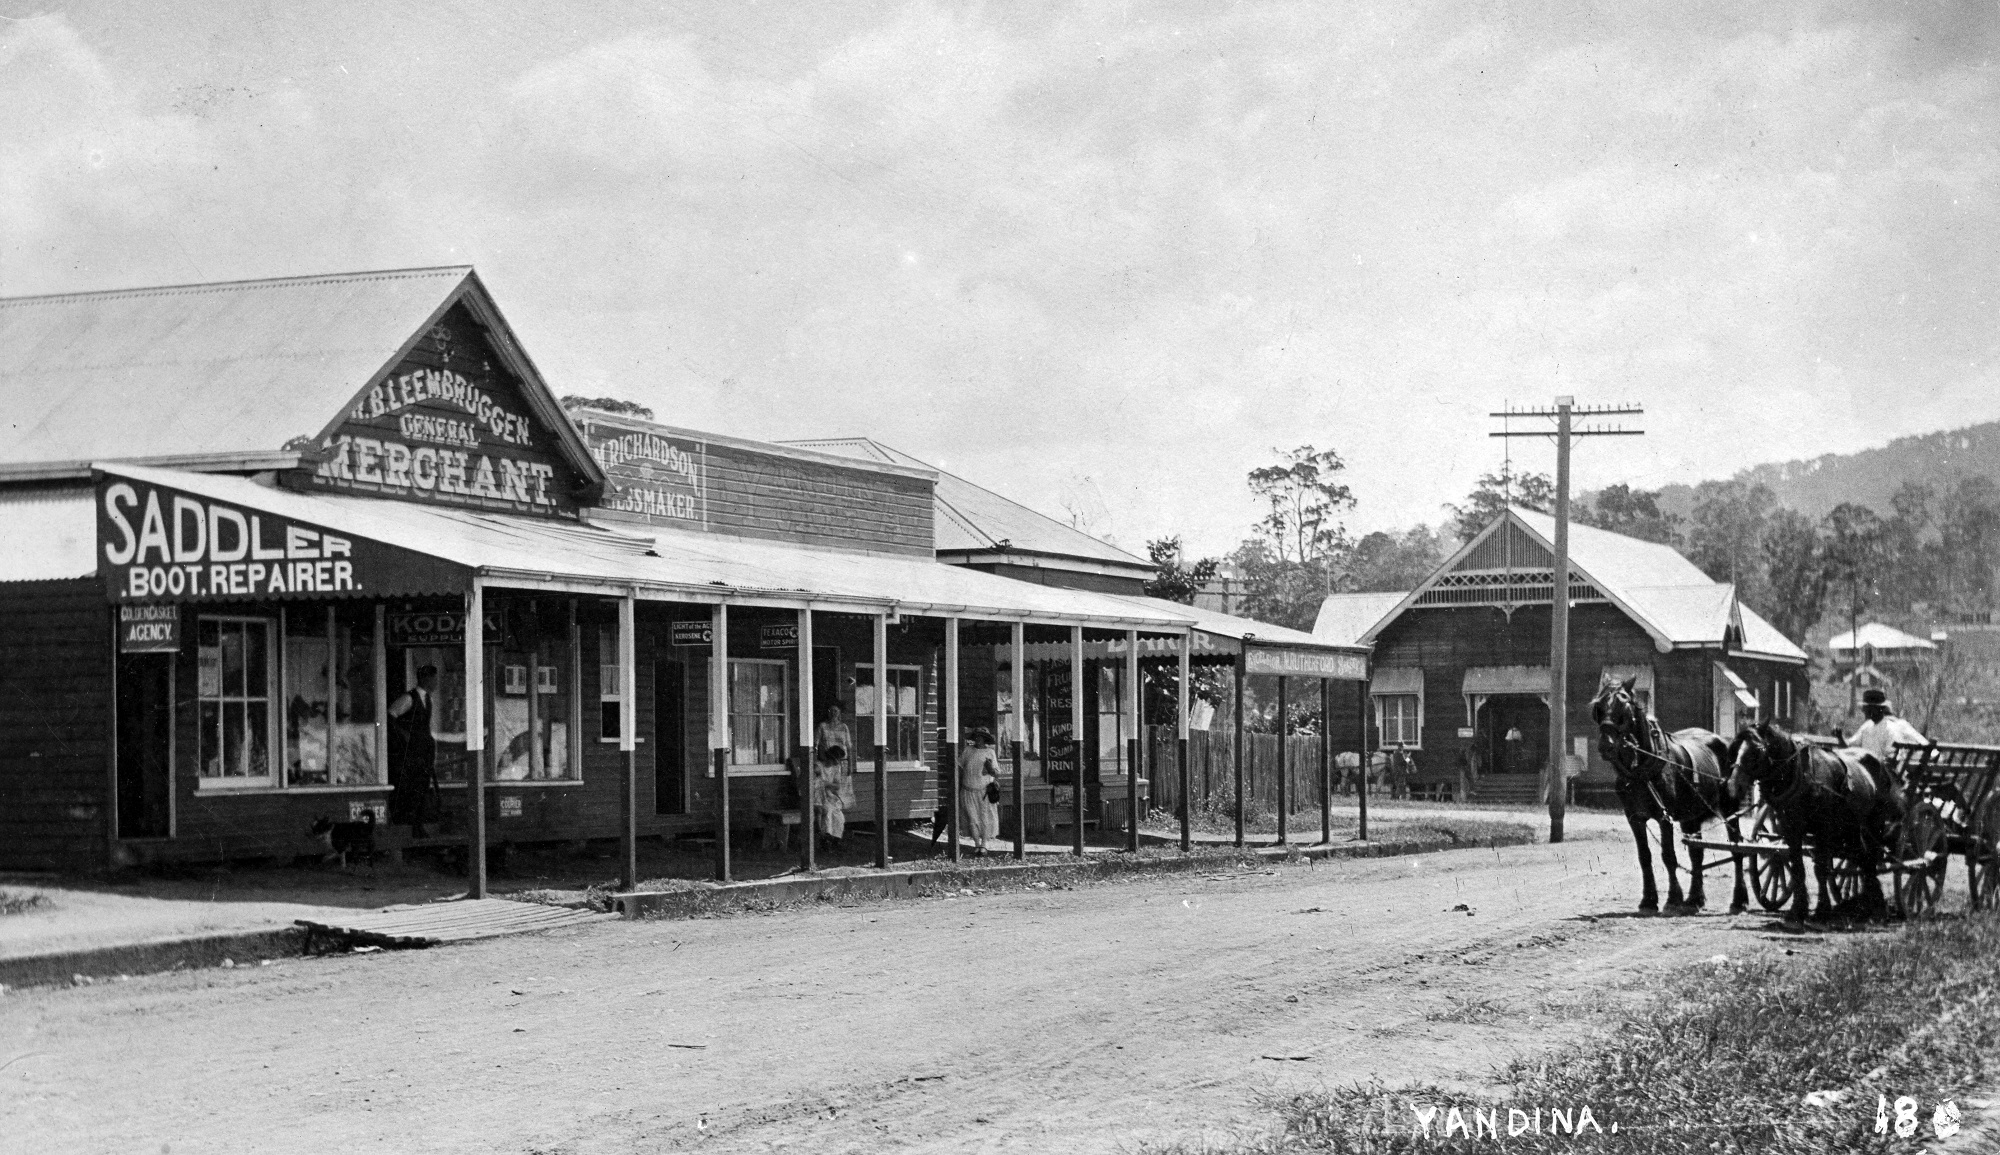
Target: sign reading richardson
point(156, 544)
point(149, 629)
point(446, 427)
point(652, 474)
point(1306, 664)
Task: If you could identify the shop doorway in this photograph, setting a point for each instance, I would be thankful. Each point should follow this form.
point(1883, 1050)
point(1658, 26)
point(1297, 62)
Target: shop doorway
point(145, 745)
point(1523, 715)
point(669, 737)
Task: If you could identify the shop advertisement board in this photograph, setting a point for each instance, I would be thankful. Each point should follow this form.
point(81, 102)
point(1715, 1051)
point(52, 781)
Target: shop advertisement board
point(1306, 664)
point(698, 632)
point(438, 628)
point(778, 636)
point(1058, 692)
point(658, 476)
point(448, 427)
point(160, 544)
point(149, 629)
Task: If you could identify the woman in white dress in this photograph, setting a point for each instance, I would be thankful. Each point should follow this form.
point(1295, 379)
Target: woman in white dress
point(979, 788)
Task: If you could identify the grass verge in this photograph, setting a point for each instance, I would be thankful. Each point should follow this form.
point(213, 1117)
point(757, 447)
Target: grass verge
point(1723, 1059)
point(15, 903)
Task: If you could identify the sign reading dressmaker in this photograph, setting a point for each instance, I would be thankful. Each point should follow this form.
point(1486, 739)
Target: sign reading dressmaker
point(1306, 664)
point(652, 474)
point(158, 544)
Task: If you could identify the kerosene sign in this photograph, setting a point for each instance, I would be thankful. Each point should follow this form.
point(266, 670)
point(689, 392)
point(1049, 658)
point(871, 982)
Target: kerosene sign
point(158, 544)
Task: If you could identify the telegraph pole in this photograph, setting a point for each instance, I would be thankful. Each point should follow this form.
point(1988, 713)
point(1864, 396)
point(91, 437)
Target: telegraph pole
point(1565, 433)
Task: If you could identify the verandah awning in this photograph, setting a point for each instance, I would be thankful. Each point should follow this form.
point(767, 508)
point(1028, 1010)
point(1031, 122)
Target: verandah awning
point(440, 549)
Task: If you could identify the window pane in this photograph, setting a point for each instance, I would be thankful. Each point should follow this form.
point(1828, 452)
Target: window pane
point(232, 659)
point(257, 660)
point(211, 739)
point(354, 723)
point(233, 754)
point(305, 710)
point(257, 740)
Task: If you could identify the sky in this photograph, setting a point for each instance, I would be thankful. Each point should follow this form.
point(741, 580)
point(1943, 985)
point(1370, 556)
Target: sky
point(1101, 257)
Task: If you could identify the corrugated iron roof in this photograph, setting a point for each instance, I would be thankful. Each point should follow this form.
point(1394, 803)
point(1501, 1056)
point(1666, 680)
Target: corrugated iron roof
point(1345, 619)
point(666, 563)
point(1879, 635)
point(201, 369)
point(1231, 626)
point(972, 518)
point(50, 534)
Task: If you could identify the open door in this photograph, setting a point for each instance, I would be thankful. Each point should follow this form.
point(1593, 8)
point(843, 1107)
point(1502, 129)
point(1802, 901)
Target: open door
point(669, 737)
point(145, 745)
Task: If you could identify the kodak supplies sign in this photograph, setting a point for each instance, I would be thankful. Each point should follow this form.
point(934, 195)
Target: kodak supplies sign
point(156, 544)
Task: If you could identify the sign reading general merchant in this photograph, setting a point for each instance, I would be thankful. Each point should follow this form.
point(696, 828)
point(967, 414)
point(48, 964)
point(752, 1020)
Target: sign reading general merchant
point(449, 426)
point(157, 544)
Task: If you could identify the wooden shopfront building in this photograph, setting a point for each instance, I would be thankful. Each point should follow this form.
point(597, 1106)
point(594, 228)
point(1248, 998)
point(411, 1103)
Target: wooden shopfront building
point(248, 514)
point(1461, 663)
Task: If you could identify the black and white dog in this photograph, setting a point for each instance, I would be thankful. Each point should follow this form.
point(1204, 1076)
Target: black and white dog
point(347, 838)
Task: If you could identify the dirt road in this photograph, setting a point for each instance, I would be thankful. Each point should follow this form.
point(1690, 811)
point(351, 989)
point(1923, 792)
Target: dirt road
point(1080, 1020)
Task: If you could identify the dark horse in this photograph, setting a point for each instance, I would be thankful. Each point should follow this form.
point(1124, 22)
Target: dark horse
point(1667, 778)
point(1843, 798)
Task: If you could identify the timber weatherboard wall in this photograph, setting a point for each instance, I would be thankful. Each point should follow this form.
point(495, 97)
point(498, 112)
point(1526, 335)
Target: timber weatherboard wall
point(55, 724)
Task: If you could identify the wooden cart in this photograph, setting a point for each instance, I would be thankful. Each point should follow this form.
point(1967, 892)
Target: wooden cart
point(1951, 807)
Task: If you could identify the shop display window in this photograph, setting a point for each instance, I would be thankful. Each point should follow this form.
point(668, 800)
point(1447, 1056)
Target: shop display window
point(1003, 708)
point(542, 756)
point(610, 693)
point(329, 696)
point(1111, 733)
point(233, 691)
point(905, 710)
point(759, 723)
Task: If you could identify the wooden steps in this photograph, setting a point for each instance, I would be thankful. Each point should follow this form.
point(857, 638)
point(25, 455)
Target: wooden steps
point(437, 923)
point(1515, 789)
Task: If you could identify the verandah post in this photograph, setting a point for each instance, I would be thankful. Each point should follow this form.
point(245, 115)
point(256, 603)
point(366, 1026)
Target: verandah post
point(1284, 768)
point(628, 738)
point(1017, 642)
point(1181, 722)
point(1361, 725)
point(1241, 800)
point(718, 730)
point(808, 860)
point(948, 749)
point(1133, 705)
point(881, 741)
point(1326, 760)
point(1076, 737)
point(475, 734)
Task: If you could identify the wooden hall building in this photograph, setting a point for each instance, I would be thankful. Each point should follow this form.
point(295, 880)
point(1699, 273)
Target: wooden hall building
point(1461, 663)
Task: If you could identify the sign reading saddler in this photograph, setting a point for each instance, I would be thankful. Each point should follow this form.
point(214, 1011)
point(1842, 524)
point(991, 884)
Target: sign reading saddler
point(159, 544)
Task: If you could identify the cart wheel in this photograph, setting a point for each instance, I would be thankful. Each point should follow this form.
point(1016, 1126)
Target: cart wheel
point(1983, 855)
point(1845, 885)
point(1770, 873)
point(1924, 844)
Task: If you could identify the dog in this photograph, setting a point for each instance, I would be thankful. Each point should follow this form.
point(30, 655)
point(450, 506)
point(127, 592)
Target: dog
point(347, 838)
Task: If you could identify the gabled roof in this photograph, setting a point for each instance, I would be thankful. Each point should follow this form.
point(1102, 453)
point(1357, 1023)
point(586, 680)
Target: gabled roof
point(233, 372)
point(974, 520)
point(1880, 636)
point(1663, 592)
point(1345, 619)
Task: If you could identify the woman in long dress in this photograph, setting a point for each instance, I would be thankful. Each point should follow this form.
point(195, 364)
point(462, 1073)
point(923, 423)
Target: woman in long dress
point(832, 774)
point(978, 789)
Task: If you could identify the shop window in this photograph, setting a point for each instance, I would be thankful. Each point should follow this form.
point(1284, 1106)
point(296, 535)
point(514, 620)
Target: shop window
point(1003, 709)
point(537, 753)
point(329, 697)
point(1399, 719)
point(905, 709)
point(1111, 733)
point(610, 691)
point(233, 695)
point(759, 723)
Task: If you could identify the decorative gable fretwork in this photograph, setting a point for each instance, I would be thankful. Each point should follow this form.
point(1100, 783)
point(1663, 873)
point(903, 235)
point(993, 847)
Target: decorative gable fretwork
point(1506, 588)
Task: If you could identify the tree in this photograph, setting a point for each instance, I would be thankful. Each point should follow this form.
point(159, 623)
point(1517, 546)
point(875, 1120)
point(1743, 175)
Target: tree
point(1796, 573)
point(1386, 561)
point(1632, 512)
point(1306, 498)
point(1492, 494)
point(1853, 553)
point(1175, 580)
point(571, 402)
point(1969, 544)
point(1911, 566)
point(1284, 593)
point(1726, 533)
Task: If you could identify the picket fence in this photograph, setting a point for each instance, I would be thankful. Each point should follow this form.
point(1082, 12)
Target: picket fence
point(1212, 768)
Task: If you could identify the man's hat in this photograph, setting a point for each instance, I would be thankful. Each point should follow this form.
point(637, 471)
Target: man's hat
point(1875, 698)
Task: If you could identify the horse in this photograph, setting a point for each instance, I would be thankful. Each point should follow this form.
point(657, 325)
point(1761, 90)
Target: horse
point(1667, 778)
point(1843, 798)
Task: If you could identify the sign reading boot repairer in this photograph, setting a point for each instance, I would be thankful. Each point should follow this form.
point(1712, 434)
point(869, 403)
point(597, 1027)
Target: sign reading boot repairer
point(449, 425)
point(157, 544)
